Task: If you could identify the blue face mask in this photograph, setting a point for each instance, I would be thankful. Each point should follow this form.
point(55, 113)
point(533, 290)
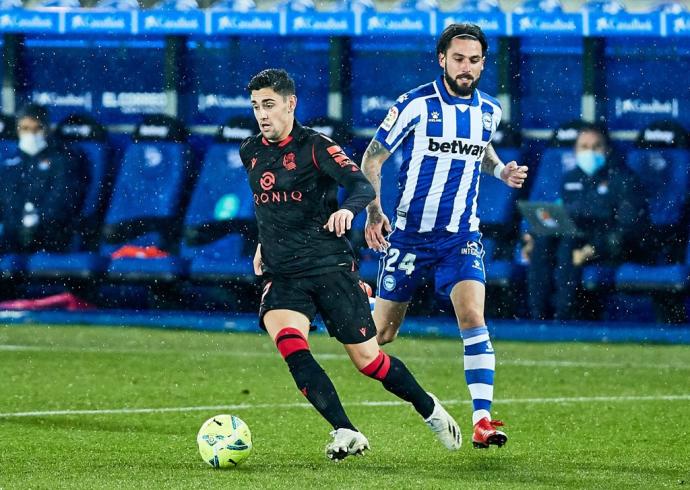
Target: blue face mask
point(590, 161)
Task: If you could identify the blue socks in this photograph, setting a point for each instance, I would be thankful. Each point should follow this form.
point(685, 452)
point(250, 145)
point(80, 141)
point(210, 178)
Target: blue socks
point(480, 364)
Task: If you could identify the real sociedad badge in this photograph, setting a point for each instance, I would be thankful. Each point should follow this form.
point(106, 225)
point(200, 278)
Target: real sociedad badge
point(487, 121)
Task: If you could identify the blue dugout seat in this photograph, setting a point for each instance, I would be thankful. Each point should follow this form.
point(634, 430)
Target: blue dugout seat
point(10, 264)
point(148, 199)
point(87, 138)
point(219, 224)
point(662, 163)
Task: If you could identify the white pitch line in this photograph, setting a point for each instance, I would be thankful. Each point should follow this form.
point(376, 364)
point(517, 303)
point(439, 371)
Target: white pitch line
point(392, 403)
point(329, 357)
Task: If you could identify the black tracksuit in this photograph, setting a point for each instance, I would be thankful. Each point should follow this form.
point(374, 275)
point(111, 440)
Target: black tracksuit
point(40, 198)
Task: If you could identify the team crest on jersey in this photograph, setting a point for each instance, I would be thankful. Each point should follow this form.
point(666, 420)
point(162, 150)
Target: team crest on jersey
point(389, 283)
point(289, 161)
point(487, 121)
point(435, 117)
point(391, 117)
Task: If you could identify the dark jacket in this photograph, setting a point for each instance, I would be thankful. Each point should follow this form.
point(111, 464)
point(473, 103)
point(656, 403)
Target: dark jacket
point(40, 198)
point(608, 208)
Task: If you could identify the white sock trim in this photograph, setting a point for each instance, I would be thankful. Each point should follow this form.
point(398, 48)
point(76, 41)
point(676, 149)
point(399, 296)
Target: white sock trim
point(481, 391)
point(476, 340)
point(480, 361)
point(477, 415)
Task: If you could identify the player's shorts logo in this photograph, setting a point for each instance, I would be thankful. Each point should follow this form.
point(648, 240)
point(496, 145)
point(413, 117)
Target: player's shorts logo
point(267, 181)
point(389, 283)
point(487, 121)
point(472, 248)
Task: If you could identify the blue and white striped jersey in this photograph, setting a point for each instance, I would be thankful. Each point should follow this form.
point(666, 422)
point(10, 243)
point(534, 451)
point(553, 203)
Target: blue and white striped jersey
point(443, 139)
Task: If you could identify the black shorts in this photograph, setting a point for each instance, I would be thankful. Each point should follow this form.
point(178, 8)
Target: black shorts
point(336, 296)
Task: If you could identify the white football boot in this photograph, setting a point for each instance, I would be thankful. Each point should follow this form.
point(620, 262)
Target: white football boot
point(346, 443)
point(444, 426)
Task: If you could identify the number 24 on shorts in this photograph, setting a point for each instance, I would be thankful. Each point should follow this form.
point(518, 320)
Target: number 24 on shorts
point(406, 264)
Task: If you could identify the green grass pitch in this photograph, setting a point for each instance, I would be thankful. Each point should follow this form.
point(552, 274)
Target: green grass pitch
point(95, 407)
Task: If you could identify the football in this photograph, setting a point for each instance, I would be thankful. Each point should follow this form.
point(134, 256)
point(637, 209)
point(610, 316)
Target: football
point(224, 441)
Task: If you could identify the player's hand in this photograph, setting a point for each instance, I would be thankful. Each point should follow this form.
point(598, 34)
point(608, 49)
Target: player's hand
point(582, 255)
point(340, 221)
point(258, 262)
point(514, 175)
point(375, 230)
point(527, 247)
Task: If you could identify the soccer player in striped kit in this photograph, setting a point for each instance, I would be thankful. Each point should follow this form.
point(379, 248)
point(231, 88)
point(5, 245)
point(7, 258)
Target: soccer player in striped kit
point(444, 130)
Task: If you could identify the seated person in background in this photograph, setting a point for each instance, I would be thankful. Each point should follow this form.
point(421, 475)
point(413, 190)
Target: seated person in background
point(40, 189)
point(605, 201)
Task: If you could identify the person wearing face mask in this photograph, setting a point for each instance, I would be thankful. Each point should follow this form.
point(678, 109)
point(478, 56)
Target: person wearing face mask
point(40, 189)
point(605, 201)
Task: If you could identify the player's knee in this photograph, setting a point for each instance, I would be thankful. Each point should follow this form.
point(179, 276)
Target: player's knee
point(386, 336)
point(471, 317)
point(378, 368)
point(290, 341)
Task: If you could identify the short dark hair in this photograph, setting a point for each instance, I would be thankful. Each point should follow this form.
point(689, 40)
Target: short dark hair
point(36, 112)
point(277, 79)
point(595, 127)
point(468, 31)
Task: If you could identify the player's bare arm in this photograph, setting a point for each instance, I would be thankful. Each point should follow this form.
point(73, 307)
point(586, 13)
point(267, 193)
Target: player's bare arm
point(377, 223)
point(512, 174)
point(258, 262)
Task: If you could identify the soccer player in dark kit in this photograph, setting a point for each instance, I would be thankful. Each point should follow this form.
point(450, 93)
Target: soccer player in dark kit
point(308, 265)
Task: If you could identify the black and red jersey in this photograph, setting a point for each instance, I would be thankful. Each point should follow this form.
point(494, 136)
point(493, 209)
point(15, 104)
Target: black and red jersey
point(295, 187)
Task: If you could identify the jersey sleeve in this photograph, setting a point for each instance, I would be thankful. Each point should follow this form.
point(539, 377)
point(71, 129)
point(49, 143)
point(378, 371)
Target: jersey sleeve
point(498, 114)
point(330, 159)
point(400, 120)
point(244, 152)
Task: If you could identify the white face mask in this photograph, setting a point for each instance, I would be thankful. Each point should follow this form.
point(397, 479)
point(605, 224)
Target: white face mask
point(32, 143)
point(590, 161)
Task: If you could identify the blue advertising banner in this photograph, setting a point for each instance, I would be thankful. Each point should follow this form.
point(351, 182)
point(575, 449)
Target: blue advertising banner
point(225, 22)
point(115, 82)
point(623, 24)
point(321, 23)
point(171, 22)
point(31, 21)
point(398, 23)
point(550, 82)
point(220, 71)
point(562, 24)
point(232, 23)
point(493, 24)
point(678, 24)
point(98, 22)
point(645, 82)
